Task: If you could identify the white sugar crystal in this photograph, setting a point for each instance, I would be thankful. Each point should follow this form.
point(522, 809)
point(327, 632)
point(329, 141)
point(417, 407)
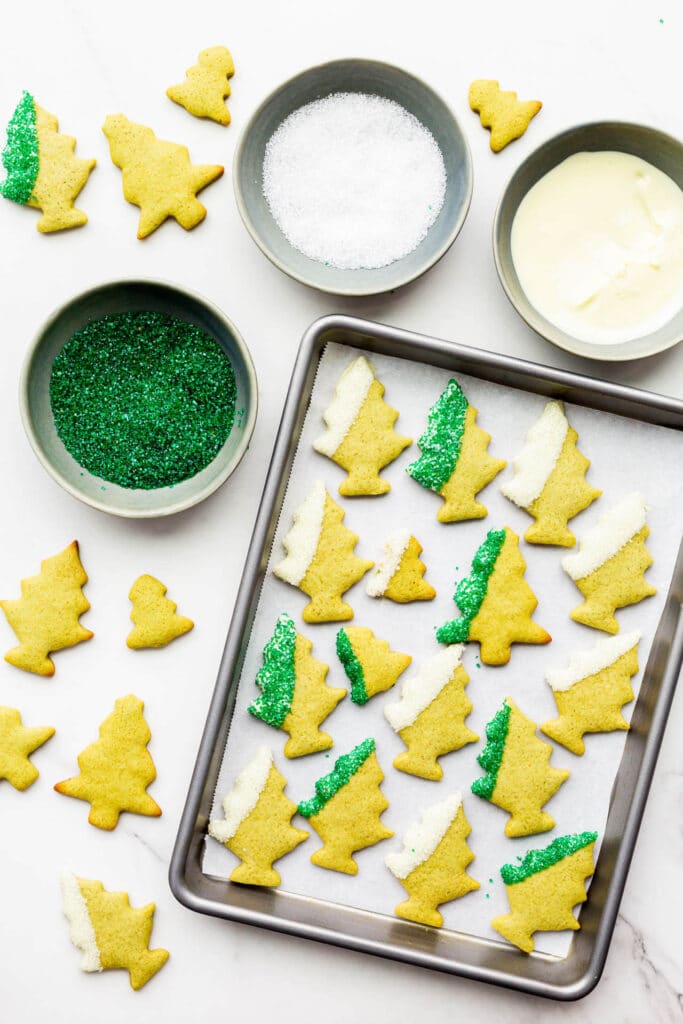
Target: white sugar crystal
point(354, 180)
point(243, 797)
point(419, 692)
point(349, 396)
point(301, 541)
point(81, 932)
point(538, 457)
point(423, 836)
point(394, 549)
point(588, 663)
point(613, 531)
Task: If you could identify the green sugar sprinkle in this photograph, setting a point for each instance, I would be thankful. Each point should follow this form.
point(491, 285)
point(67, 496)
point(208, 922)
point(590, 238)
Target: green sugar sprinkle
point(352, 667)
point(142, 399)
point(470, 592)
point(345, 767)
point(276, 677)
point(538, 860)
point(441, 441)
point(491, 756)
point(20, 155)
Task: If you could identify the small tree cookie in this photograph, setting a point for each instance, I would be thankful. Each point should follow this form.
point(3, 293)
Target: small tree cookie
point(360, 435)
point(206, 85)
point(154, 615)
point(592, 690)
point(431, 867)
point(609, 567)
point(502, 112)
point(256, 823)
point(496, 601)
point(544, 889)
point(550, 479)
point(17, 741)
point(455, 461)
point(294, 696)
point(399, 575)
point(346, 809)
point(320, 559)
point(519, 778)
point(117, 768)
point(430, 716)
point(157, 175)
point(109, 932)
point(46, 616)
point(42, 170)
point(370, 664)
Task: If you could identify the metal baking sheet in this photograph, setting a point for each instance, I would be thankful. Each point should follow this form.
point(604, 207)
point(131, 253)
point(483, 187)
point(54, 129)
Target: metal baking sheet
point(310, 913)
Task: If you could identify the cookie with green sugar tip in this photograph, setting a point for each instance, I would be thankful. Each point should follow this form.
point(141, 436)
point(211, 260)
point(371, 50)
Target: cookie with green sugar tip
point(346, 808)
point(294, 695)
point(518, 776)
point(495, 601)
point(454, 460)
point(544, 888)
point(42, 169)
point(370, 664)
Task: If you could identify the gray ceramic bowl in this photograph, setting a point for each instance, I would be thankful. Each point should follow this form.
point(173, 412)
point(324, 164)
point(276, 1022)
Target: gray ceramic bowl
point(352, 76)
point(659, 149)
point(122, 297)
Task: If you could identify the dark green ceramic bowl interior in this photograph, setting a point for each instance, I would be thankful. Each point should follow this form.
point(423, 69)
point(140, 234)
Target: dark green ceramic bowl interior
point(380, 80)
point(659, 149)
point(123, 297)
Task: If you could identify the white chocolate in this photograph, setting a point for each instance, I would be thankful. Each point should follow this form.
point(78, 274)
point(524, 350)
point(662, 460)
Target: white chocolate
point(350, 393)
point(423, 836)
point(243, 797)
point(419, 692)
point(394, 547)
point(588, 663)
point(538, 457)
point(81, 931)
point(301, 541)
point(614, 529)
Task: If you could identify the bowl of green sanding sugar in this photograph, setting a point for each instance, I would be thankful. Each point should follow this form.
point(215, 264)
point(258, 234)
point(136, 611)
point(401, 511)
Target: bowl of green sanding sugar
point(139, 398)
point(354, 177)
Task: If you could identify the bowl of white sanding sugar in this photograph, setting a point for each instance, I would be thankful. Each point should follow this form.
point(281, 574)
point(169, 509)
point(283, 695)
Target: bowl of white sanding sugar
point(354, 177)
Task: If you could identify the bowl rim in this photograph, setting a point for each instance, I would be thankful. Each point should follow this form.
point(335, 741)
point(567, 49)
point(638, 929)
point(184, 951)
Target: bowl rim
point(357, 292)
point(527, 312)
point(102, 506)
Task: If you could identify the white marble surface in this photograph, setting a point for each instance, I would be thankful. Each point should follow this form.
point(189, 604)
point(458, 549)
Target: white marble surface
point(585, 61)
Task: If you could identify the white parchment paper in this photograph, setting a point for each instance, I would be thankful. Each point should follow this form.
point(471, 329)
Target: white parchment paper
point(626, 455)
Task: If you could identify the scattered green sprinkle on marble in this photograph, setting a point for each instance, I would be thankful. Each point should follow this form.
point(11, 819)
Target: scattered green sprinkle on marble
point(20, 155)
point(143, 400)
point(441, 441)
point(352, 667)
point(277, 677)
point(538, 860)
point(345, 767)
point(470, 592)
point(491, 756)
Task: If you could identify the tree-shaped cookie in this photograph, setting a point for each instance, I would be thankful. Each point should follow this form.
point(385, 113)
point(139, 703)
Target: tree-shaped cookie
point(109, 932)
point(592, 690)
point(519, 778)
point(157, 175)
point(320, 559)
point(455, 461)
point(42, 170)
point(256, 823)
point(430, 716)
point(431, 867)
point(206, 85)
point(16, 743)
point(46, 616)
point(609, 567)
point(370, 664)
point(154, 615)
point(360, 435)
point(346, 809)
point(117, 768)
point(399, 574)
point(496, 602)
point(502, 112)
point(544, 888)
point(294, 696)
point(550, 479)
